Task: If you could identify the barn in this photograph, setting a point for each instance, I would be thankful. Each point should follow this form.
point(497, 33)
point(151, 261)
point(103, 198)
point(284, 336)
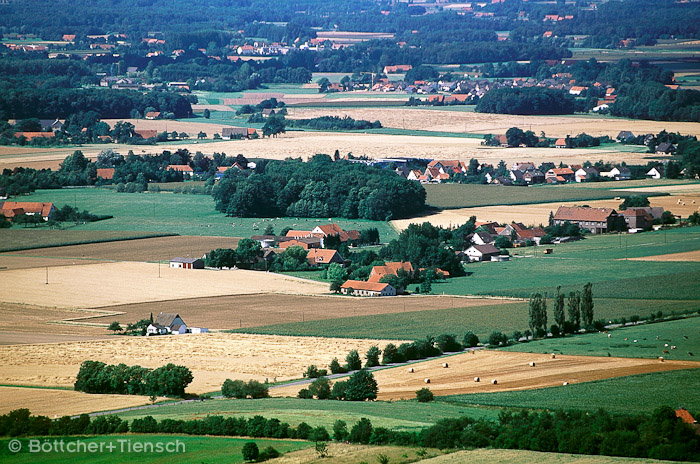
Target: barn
point(186, 263)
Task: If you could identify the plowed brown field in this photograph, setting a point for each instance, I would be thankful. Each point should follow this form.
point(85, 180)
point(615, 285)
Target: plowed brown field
point(511, 370)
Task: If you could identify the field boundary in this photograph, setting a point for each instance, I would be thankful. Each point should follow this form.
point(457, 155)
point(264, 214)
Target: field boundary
point(88, 242)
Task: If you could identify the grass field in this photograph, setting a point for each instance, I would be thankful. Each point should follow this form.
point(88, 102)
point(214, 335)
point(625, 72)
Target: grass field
point(639, 341)
point(482, 320)
point(650, 391)
point(23, 239)
point(179, 214)
point(400, 415)
point(196, 449)
point(472, 195)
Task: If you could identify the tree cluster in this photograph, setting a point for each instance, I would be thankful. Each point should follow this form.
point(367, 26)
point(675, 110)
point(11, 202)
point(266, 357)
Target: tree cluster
point(332, 123)
point(241, 390)
point(526, 101)
point(98, 377)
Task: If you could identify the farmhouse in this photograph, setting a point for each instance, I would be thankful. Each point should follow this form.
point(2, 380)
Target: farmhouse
point(232, 133)
point(266, 241)
point(186, 263)
point(167, 323)
point(185, 169)
point(318, 256)
point(481, 252)
point(30, 208)
point(360, 288)
point(655, 172)
point(665, 149)
point(398, 68)
point(389, 269)
point(637, 218)
point(305, 243)
point(334, 229)
point(556, 174)
point(560, 143)
point(596, 220)
point(153, 115)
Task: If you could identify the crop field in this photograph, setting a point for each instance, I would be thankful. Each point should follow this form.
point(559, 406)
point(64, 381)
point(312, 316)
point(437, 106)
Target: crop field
point(104, 284)
point(511, 370)
point(233, 312)
point(22, 239)
point(398, 415)
point(197, 449)
point(688, 256)
point(147, 249)
point(637, 341)
point(650, 391)
point(54, 402)
point(212, 357)
point(345, 453)
point(482, 320)
point(499, 456)
point(192, 215)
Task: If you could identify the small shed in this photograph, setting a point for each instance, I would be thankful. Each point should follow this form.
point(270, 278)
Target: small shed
point(186, 263)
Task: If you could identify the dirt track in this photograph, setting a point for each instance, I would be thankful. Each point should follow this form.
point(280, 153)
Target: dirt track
point(511, 370)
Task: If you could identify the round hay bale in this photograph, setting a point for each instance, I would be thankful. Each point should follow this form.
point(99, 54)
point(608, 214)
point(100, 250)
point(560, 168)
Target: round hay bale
point(410, 370)
point(661, 358)
point(445, 365)
point(565, 384)
point(477, 379)
point(554, 356)
point(532, 364)
point(427, 381)
point(494, 381)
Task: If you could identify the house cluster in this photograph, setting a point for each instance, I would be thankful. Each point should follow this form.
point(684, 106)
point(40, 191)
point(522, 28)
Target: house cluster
point(311, 240)
point(373, 286)
point(481, 245)
point(13, 209)
point(171, 324)
point(604, 220)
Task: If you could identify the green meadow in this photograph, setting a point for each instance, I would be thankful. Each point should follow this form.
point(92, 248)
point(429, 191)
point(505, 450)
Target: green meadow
point(673, 388)
point(196, 449)
point(399, 415)
point(178, 214)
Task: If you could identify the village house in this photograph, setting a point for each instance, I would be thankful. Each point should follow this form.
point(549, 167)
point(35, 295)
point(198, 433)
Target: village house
point(637, 218)
point(586, 174)
point(153, 115)
point(560, 143)
point(618, 173)
point(360, 288)
point(320, 256)
point(481, 252)
point(186, 263)
point(334, 229)
point(233, 133)
point(265, 241)
point(167, 324)
point(481, 237)
point(595, 220)
point(185, 169)
point(656, 172)
point(390, 268)
point(665, 148)
point(624, 136)
point(11, 209)
point(53, 125)
point(306, 243)
point(559, 175)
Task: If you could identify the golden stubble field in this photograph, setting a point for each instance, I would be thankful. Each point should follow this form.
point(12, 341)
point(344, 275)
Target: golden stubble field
point(534, 214)
point(511, 370)
point(104, 284)
point(212, 357)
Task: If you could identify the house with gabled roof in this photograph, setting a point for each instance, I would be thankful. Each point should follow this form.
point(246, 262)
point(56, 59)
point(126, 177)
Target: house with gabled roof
point(185, 169)
point(637, 218)
point(167, 323)
point(657, 172)
point(319, 256)
point(29, 208)
point(361, 288)
point(390, 268)
point(481, 252)
point(186, 263)
point(567, 174)
point(596, 220)
point(665, 148)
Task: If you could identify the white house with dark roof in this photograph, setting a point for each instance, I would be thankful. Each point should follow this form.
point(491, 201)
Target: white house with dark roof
point(167, 323)
point(186, 263)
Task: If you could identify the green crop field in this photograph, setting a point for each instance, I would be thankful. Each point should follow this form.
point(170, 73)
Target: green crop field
point(650, 391)
point(400, 415)
point(196, 449)
point(638, 341)
point(24, 239)
point(178, 214)
point(448, 196)
point(482, 320)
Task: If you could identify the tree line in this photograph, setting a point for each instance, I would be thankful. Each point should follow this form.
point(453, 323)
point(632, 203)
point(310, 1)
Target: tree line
point(529, 100)
point(659, 435)
point(99, 377)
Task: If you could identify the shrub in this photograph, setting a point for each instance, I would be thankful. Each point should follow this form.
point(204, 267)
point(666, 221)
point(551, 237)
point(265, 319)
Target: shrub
point(250, 452)
point(340, 430)
point(320, 388)
point(554, 330)
point(361, 386)
point(447, 343)
point(408, 351)
point(424, 395)
point(268, 453)
point(312, 372)
point(361, 431)
point(336, 368)
point(303, 431)
point(353, 361)
point(234, 389)
point(373, 356)
point(319, 434)
point(339, 390)
point(305, 394)
point(257, 390)
point(517, 335)
point(470, 340)
point(391, 354)
point(497, 338)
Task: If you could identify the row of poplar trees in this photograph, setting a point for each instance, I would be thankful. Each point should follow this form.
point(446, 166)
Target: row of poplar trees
point(578, 308)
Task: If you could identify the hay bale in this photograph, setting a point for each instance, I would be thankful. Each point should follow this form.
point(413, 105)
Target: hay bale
point(426, 380)
point(661, 358)
point(532, 364)
point(445, 365)
point(565, 384)
point(494, 381)
point(554, 356)
point(410, 370)
point(477, 379)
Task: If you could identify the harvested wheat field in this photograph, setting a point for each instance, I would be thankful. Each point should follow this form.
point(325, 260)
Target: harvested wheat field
point(232, 312)
point(104, 284)
point(212, 357)
point(58, 403)
point(538, 213)
point(511, 370)
point(687, 257)
point(412, 118)
point(345, 453)
point(146, 249)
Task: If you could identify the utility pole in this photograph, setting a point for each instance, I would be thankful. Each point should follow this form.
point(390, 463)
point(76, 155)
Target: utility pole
point(47, 275)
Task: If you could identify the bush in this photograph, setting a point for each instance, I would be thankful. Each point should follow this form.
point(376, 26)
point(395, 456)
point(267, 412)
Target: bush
point(497, 338)
point(312, 372)
point(373, 356)
point(361, 386)
point(353, 361)
point(257, 390)
point(234, 389)
point(250, 452)
point(391, 354)
point(305, 394)
point(361, 431)
point(407, 352)
point(319, 434)
point(320, 388)
point(448, 343)
point(339, 390)
point(470, 340)
point(340, 430)
point(303, 431)
point(336, 368)
point(554, 330)
point(268, 453)
point(424, 395)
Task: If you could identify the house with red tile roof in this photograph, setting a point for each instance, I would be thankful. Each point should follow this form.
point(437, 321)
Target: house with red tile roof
point(391, 268)
point(319, 256)
point(596, 220)
point(30, 208)
point(185, 169)
point(360, 288)
point(105, 173)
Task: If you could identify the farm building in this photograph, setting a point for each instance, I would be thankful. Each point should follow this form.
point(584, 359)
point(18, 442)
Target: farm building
point(186, 263)
point(10, 209)
point(638, 218)
point(596, 220)
point(305, 243)
point(360, 288)
point(167, 323)
point(318, 256)
point(185, 169)
point(389, 269)
point(482, 252)
point(237, 133)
